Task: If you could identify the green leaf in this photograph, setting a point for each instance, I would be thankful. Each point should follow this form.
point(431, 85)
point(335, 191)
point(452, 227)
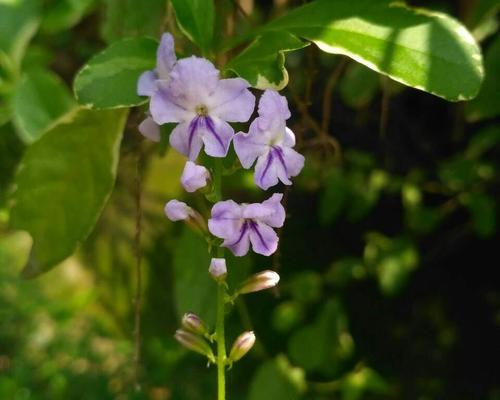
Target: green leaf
point(422, 49)
point(18, 23)
point(358, 86)
point(132, 18)
point(356, 384)
point(60, 15)
point(482, 209)
point(487, 103)
point(262, 63)
point(11, 151)
point(334, 198)
point(196, 20)
point(483, 141)
point(63, 183)
point(39, 99)
point(277, 380)
point(109, 79)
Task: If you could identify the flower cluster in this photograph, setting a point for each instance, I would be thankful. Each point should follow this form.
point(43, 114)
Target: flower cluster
point(191, 94)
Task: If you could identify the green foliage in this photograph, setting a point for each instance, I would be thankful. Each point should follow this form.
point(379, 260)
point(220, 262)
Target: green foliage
point(39, 99)
point(65, 180)
point(109, 79)
point(196, 20)
point(277, 380)
point(359, 86)
point(60, 15)
point(131, 18)
point(487, 103)
point(417, 48)
point(11, 150)
point(262, 63)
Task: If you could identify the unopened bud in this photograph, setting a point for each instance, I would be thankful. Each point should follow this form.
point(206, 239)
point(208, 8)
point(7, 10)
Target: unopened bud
point(195, 343)
point(241, 346)
point(192, 323)
point(260, 281)
point(218, 269)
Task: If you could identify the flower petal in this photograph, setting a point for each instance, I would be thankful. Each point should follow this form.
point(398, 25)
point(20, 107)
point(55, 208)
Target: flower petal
point(269, 170)
point(263, 238)
point(194, 177)
point(177, 210)
point(193, 81)
point(294, 161)
point(272, 104)
point(270, 211)
point(240, 243)
point(164, 108)
point(146, 85)
point(165, 56)
point(232, 101)
point(185, 140)
point(226, 220)
point(150, 129)
point(249, 146)
point(217, 135)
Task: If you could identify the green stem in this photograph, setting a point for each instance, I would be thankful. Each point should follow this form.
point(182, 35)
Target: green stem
point(221, 299)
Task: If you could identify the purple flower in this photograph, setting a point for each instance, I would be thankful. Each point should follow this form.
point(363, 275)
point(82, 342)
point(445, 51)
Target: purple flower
point(271, 143)
point(147, 84)
point(242, 224)
point(218, 269)
point(202, 104)
point(194, 177)
point(178, 211)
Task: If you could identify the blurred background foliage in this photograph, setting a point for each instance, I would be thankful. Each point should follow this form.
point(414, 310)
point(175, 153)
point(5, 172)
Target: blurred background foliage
point(387, 260)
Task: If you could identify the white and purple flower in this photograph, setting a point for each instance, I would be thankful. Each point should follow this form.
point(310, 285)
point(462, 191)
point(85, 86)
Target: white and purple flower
point(202, 104)
point(147, 84)
point(194, 177)
point(243, 224)
point(271, 143)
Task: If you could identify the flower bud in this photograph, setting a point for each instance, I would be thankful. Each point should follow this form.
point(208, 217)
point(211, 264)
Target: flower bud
point(177, 210)
point(241, 346)
point(260, 281)
point(218, 269)
point(192, 323)
point(194, 177)
point(195, 343)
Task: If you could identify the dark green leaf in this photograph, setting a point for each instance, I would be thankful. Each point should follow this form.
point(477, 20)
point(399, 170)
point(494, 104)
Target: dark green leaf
point(64, 14)
point(196, 20)
point(483, 141)
point(63, 183)
point(39, 99)
point(418, 48)
point(334, 197)
point(11, 151)
point(263, 62)
point(487, 103)
point(132, 18)
point(109, 79)
point(483, 212)
point(358, 86)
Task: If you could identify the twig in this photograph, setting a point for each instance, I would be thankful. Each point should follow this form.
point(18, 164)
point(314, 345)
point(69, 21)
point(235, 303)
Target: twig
point(138, 271)
point(243, 12)
point(327, 94)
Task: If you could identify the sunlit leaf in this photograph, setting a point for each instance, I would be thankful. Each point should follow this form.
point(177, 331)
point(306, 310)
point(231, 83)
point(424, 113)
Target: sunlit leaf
point(63, 183)
point(109, 79)
point(418, 48)
point(196, 20)
point(39, 99)
point(262, 63)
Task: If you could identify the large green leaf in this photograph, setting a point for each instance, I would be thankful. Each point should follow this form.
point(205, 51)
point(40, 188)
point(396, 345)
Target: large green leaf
point(196, 20)
point(422, 49)
point(18, 23)
point(39, 99)
point(63, 183)
point(132, 18)
point(263, 62)
point(487, 103)
point(109, 79)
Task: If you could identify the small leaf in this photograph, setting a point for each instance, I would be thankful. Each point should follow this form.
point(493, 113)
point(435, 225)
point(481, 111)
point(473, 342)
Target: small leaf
point(422, 49)
point(109, 79)
point(11, 151)
point(196, 20)
point(277, 380)
point(18, 23)
point(63, 183)
point(39, 99)
point(262, 63)
point(64, 14)
point(483, 141)
point(487, 103)
point(358, 86)
point(482, 209)
point(131, 18)
point(334, 198)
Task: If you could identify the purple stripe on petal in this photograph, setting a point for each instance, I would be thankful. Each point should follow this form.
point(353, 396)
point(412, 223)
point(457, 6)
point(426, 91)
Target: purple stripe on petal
point(193, 126)
point(255, 228)
point(243, 230)
point(269, 161)
point(209, 123)
point(279, 153)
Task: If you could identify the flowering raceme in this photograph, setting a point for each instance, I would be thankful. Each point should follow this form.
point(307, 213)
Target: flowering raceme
point(202, 104)
point(242, 224)
point(271, 143)
point(147, 84)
